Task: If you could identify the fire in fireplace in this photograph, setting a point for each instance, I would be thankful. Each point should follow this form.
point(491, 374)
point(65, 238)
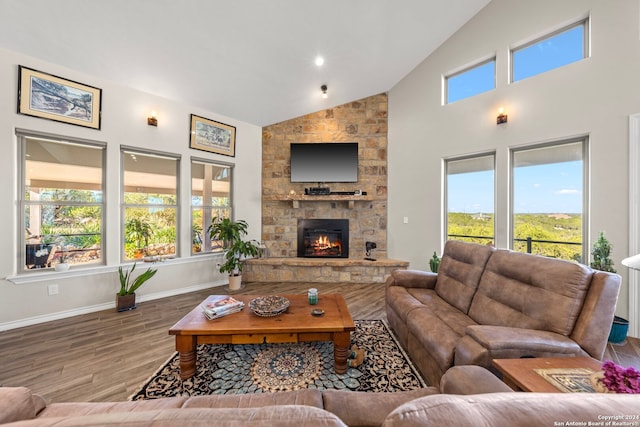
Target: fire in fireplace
point(323, 238)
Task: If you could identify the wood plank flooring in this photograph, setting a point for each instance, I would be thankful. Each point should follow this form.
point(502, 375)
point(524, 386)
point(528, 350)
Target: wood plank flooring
point(105, 356)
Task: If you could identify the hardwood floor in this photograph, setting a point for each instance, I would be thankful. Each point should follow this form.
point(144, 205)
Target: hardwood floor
point(105, 356)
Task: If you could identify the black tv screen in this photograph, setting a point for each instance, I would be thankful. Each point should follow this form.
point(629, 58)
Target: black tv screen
point(324, 162)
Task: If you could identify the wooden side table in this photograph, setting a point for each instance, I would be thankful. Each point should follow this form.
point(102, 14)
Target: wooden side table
point(520, 374)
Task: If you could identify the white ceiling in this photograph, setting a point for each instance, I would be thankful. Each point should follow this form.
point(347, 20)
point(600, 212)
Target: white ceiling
point(251, 60)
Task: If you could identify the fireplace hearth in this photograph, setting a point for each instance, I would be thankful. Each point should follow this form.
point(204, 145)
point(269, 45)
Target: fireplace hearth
point(323, 238)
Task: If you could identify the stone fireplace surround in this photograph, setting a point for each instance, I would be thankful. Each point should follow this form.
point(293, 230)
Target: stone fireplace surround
point(283, 202)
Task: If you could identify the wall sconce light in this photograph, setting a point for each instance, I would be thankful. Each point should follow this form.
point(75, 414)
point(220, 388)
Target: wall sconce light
point(502, 117)
point(324, 88)
point(152, 120)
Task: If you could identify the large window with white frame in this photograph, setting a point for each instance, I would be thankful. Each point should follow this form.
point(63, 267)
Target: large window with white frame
point(61, 201)
point(549, 196)
point(210, 198)
point(564, 46)
point(471, 81)
point(150, 195)
point(470, 199)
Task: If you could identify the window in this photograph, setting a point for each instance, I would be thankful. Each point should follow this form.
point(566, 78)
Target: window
point(150, 204)
point(470, 191)
point(61, 201)
point(563, 47)
point(471, 81)
point(210, 198)
point(548, 199)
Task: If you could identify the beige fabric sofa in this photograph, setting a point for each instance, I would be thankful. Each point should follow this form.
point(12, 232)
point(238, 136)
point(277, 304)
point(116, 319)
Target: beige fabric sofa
point(20, 407)
point(488, 303)
point(424, 407)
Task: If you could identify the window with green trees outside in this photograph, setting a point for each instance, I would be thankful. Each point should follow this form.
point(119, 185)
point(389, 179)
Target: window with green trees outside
point(61, 199)
point(150, 204)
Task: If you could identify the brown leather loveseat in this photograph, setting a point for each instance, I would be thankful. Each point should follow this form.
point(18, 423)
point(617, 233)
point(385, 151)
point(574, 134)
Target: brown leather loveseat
point(488, 303)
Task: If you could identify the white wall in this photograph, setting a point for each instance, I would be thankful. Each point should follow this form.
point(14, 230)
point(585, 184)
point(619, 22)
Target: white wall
point(592, 97)
point(124, 113)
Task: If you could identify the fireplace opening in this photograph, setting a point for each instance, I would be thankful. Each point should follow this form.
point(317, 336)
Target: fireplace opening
point(323, 238)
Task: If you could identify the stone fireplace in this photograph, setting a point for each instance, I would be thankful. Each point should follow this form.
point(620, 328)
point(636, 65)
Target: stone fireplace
point(284, 202)
point(323, 238)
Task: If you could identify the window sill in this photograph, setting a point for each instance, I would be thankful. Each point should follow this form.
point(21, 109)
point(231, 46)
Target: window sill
point(48, 275)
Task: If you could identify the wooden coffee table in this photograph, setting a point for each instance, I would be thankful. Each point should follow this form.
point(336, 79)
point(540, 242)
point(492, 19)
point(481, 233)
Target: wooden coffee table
point(295, 325)
point(519, 374)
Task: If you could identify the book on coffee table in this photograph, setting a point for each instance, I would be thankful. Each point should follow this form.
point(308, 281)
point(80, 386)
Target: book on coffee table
point(217, 306)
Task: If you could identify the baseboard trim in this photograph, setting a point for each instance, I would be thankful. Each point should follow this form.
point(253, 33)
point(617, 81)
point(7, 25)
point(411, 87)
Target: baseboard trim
point(29, 321)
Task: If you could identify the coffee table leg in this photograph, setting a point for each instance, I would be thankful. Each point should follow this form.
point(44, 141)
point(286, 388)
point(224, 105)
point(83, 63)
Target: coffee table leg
point(186, 346)
point(341, 341)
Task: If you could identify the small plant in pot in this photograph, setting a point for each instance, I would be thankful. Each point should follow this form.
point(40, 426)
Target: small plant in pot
point(126, 297)
point(63, 264)
point(601, 252)
point(237, 250)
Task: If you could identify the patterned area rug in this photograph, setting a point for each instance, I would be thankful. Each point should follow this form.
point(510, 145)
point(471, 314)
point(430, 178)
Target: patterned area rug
point(260, 368)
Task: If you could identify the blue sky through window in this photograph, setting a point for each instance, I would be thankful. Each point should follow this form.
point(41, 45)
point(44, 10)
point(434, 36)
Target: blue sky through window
point(547, 188)
point(553, 52)
point(471, 82)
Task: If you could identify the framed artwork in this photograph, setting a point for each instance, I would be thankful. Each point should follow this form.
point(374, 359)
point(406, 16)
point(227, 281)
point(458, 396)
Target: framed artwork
point(212, 136)
point(50, 97)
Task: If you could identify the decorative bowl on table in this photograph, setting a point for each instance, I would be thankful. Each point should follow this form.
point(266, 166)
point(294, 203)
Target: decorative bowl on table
point(269, 306)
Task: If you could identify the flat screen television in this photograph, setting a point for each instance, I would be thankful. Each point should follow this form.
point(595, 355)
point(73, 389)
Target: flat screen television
point(324, 162)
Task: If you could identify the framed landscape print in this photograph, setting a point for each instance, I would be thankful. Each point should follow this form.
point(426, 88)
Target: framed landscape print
point(50, 97)
point(212, 136)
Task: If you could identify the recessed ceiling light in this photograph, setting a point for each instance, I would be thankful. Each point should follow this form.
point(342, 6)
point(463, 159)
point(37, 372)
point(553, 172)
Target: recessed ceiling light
point(319, 61)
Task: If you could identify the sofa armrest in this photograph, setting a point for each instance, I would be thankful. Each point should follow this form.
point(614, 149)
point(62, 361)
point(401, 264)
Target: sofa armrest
point(18, 403)
point(471, 379)
point(483, 343)
point(594, 323)
point(412, 279)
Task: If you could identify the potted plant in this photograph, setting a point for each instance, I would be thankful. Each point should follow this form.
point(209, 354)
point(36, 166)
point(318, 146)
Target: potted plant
point(126, 297)
point(62, 264)
point(139, 230)
point(434, 262)
point(601, 252)
point(237, 250)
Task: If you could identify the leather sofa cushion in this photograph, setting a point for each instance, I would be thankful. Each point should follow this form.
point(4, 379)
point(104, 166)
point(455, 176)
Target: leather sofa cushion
point(360, 409)
point(283, 415)
point(18, 403)
point(403, 300)
point(502, 338)
point(308, 397)
point(460, 270)
point(438, 329)
point(523, 291)
point(513, 409)
point(64, 409)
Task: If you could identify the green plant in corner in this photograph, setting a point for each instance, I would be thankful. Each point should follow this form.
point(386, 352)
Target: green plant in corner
point(231, 233)
point(127, 287)
point(434, 262)
point(600, 253)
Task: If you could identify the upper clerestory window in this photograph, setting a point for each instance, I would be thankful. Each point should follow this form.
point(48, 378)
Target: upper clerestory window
point(562, 47)
point(471, 81)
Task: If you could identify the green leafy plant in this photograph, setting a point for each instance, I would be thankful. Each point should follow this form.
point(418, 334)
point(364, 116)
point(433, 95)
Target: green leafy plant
point(434, 262)
point(139, 231)
point(231, 233)
point(127, 286)
point(600, 253)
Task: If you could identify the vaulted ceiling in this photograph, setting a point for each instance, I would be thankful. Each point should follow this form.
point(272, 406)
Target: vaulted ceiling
point(251, 60)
